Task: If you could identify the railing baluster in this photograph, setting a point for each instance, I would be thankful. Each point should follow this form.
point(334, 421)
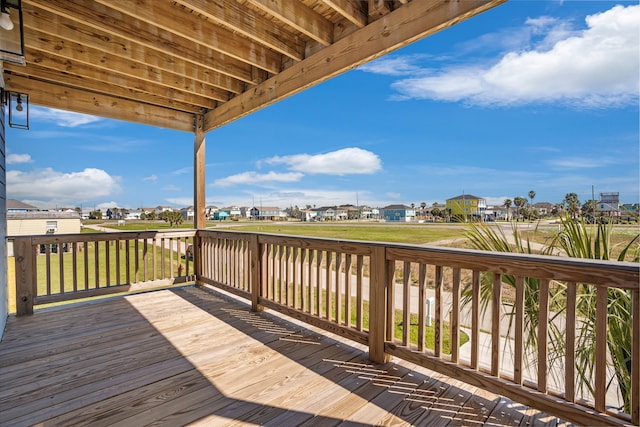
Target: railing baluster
point(601, 348)
point(359, 296)
point(391, 295)
point(570, 344)
point(154, 259)
point(327, 287)
point(48, 267)
point(127, 252)
point(318, 283)
point(455, 316)
point(136, 257)
point(96, 261)
point(86, 265)
point(107, 260)
point(438, 312)
point(74, 262)
point(519, 331)
point(422, 302)
point(338, 283)
point(475, 318)
point(61, 267)
point(286, 266)
point(406, 303)
point(496, 308)
point(118, 276)
point(543, 334)
point(304, 281)
point(347, 289)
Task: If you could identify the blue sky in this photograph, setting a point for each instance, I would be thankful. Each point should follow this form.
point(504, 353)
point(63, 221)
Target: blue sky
point(531, 95)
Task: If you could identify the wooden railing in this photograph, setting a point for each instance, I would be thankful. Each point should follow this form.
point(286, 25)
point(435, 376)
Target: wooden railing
point(55, 268)
point(384, 296)
point(508, 323)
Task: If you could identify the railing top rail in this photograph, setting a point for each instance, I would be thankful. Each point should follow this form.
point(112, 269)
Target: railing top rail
point(45, 239)
point(624, 275)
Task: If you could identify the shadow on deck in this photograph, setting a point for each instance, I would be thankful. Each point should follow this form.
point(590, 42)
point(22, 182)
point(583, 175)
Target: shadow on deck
point(187, 355)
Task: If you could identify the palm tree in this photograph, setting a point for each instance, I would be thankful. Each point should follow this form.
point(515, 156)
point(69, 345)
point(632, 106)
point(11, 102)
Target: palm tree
point(520, 202)
point(573, 204)
point(507, 204)
point(532, 195)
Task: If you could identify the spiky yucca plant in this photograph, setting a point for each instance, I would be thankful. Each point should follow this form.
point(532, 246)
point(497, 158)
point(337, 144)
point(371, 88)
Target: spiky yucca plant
point(577, 240)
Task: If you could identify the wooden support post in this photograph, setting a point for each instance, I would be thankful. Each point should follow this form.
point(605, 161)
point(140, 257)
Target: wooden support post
point(255, 257)
point(199, 194)
point(25, 259)
point(377, 305)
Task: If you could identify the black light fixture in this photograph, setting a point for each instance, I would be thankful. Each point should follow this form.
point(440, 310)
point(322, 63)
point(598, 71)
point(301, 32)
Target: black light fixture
point(11, 32)
point(18, 104)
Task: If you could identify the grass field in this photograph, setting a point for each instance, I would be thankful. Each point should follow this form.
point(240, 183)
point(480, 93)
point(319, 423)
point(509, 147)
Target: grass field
point(48, 276)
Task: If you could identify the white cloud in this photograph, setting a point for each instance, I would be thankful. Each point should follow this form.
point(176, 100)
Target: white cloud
point(61, 118)
point(180, 202)
point(593, 68)
point(341, 162)
point(393, 65)
point(18, 158)
point(71, 187)
point(107, 205)
point(171, 187)
point(152, 178)
point(257, 178)
point(582, 162)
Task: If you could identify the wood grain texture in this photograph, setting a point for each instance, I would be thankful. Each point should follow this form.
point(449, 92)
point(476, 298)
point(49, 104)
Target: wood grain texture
point(186, 355)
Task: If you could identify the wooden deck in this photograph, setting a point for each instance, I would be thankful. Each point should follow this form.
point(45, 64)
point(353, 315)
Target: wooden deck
point(189, 356)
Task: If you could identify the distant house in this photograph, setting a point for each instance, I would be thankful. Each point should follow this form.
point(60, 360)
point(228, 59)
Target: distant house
point(188, 213)
point(466, 205)
point(220, 215)
point(398, 213)
point(159, 209)
point(307, 215)
point(543, 208)
point(326, 213)
point(609, 204)
point(630, 210)
point(16, 206)
point(210, 210)
point(41, 222)
point(134, 214)
point(267, 213)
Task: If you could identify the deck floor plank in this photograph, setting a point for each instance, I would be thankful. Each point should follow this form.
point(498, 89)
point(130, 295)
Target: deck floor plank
point(187, 356)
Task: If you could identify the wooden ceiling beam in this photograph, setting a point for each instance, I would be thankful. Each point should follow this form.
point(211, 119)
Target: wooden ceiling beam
point(350, 10)
point(73, 81)
point(199, 31)
point(76, 52)
point(63, 98)
point(401, 27)
point(112, 79)
point(300, 17)
point(52, 24)
point(119, 25)
point(249, 24)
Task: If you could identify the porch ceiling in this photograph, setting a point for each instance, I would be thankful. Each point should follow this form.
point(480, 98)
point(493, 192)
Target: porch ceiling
point(163, 62)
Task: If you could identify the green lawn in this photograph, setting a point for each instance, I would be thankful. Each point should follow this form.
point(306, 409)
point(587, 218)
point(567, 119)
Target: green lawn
point(414, 234)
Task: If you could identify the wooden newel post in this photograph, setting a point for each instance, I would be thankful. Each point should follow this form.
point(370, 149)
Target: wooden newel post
point(255, 265)
point(24, 255)
point(378, 305)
